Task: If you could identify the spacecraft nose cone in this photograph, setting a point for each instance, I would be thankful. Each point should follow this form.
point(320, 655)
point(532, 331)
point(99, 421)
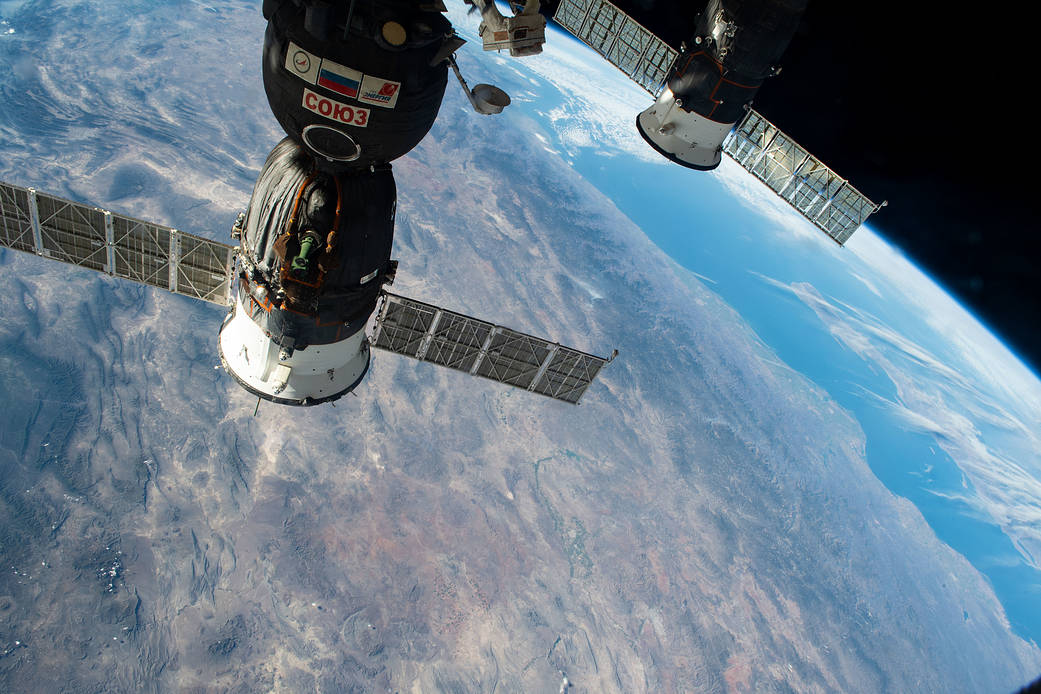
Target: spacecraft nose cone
point(489, 99)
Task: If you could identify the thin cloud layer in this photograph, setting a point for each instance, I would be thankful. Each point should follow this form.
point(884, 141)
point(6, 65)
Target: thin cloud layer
point(954, 407)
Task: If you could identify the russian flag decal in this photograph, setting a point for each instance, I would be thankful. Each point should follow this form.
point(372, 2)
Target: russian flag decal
point(340, 79)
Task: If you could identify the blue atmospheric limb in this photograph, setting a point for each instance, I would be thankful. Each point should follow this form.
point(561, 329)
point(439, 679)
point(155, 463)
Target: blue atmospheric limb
point(808, 470)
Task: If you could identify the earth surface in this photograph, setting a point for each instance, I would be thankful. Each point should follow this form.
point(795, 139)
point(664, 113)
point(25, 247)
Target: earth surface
point(809, 469)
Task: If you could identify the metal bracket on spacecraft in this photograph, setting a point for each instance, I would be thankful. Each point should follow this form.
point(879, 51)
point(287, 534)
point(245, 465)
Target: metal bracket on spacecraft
point(522, 34)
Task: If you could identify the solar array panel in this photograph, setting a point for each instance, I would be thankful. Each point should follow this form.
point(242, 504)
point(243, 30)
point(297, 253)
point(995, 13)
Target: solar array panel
point(16, 219)
point(120, 246)
point(817, 192)
point(428, 333)
point(624, 42)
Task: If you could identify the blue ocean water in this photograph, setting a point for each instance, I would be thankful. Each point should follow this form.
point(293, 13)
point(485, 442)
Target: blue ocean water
point(708, 232)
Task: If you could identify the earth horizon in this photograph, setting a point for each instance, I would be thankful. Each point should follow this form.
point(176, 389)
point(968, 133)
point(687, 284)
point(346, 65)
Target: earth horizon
point(809, 469)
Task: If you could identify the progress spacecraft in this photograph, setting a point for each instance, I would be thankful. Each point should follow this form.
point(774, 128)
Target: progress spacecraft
point(737, 44)
point(703, 95)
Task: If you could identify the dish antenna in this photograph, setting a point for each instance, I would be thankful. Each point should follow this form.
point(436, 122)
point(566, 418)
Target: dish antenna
point(485, 98)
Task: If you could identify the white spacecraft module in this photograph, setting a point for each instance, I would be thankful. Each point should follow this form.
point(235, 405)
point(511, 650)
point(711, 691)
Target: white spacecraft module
point(165, 258)
point(705, 89)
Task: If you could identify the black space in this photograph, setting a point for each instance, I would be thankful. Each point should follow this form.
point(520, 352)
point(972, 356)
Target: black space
point(929, 108)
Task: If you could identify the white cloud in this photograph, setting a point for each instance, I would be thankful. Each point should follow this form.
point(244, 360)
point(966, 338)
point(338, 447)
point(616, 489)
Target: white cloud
point(867, 283)
point(950, 404)
point(981, 351)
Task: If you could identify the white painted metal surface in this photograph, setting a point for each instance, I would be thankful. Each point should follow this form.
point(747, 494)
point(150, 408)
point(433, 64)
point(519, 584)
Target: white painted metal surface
point(521, 34)
point(689, 137)
point(315, 374)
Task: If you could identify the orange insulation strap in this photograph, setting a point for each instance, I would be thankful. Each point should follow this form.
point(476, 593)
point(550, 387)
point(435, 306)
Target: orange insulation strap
point(330, 240)
point(296, 202)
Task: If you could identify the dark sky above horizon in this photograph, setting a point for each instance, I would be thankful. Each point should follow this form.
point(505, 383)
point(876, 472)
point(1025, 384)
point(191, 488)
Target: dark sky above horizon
point(929, 112)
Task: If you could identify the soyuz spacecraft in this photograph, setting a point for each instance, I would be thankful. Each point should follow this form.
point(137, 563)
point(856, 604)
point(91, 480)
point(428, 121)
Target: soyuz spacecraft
point(354, 85)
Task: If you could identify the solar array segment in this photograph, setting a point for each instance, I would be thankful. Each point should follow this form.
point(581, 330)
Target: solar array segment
point(16, 227)
point(798, 177)
point(117, 245)
point(428, 333)
point(624, 42)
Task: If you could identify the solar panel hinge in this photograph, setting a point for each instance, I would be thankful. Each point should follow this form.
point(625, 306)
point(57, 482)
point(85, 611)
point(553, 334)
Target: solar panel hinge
point(110, 244)
point(34, 220)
